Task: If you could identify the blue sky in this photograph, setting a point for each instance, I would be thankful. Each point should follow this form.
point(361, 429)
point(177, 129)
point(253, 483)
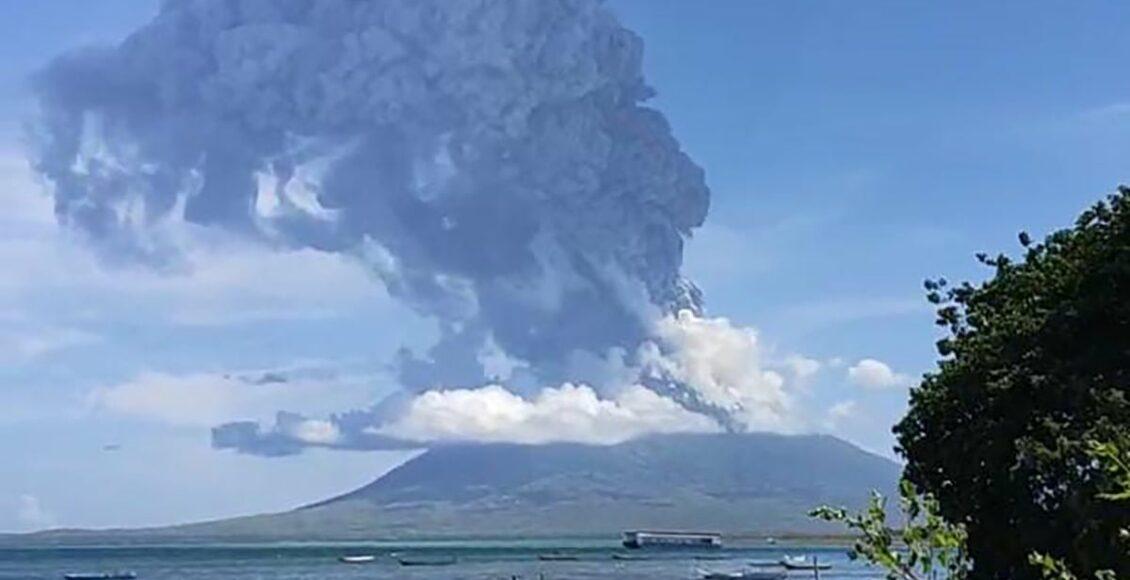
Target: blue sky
point(853, 150)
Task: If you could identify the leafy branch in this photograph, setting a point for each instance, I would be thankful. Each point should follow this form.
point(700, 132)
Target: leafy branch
point(1114, 460)
point(925, 547)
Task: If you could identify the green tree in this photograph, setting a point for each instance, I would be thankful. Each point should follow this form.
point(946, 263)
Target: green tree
point(924, 547)
point(1036, 364)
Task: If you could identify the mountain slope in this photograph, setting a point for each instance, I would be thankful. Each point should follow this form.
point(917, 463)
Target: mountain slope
point(726, 467)
point(734, 483)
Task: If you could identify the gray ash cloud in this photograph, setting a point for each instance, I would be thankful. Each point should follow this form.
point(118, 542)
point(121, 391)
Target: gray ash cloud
point(492, 161)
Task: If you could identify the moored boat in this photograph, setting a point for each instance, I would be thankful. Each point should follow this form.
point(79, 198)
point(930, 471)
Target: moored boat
point(802, 563)
point(359, 559)
point(426, 560)
point(120, 575)
point(744, 575)
point(558, 557)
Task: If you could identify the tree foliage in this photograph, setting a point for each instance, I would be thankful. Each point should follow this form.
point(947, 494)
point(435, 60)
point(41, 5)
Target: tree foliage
point(1034, 367)
point(925, 547)
point(1114, 458)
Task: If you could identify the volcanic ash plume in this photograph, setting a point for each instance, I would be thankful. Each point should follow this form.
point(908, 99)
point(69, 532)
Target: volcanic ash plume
point(490, 160)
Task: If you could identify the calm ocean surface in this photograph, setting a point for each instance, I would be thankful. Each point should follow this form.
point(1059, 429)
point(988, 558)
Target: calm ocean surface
point(474, 559)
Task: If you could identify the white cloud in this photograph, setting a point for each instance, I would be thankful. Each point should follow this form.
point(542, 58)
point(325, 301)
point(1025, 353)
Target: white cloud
point(208, 399)
point(31, 514)
point(873, 374)
point(722, 364)
point(317, 432)
point(802, 368)
point(566, 413)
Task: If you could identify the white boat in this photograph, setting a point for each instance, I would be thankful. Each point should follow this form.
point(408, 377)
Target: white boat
point(802, 563)
point(361, 559)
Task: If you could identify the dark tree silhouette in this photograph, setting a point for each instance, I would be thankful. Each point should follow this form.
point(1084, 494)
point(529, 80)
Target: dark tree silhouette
point(1035, 368)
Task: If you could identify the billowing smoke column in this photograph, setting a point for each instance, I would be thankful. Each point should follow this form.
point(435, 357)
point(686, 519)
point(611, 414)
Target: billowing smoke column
point(490, 160)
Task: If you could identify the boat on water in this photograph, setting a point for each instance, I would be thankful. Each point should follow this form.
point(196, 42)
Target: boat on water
point(120, 575)
point(802, 563)
point(426, 561)
point(667, 539)
point(745, 575)
point(619, 556)
point(359, 559)
point(558, 557)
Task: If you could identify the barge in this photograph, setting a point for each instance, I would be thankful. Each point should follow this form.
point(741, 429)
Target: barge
point(665, 539)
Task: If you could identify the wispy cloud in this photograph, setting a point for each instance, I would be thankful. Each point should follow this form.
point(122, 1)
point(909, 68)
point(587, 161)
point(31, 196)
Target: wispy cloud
point(221, 286)
point(826, 313)
point(720, 254)
point(24, 342)
point(205, 399)
point(838, 412)
point(1110, 112)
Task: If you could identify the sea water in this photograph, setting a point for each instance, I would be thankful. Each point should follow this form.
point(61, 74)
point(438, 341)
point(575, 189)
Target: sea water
point(473, 560)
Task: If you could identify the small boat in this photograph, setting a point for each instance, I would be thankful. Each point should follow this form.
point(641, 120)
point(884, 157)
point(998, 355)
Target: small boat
point(745, 575)
point(764, 563)
point(558, 557)
point(802, 563)
point(100, 576)
point(361, 559)
point(427, 561)
point(619, 556)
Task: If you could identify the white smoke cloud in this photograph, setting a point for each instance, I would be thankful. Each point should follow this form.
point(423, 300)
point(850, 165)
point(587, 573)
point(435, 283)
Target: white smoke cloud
point(567, 413)
point(31, 514)
point(722, 366)
point(717, 365)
